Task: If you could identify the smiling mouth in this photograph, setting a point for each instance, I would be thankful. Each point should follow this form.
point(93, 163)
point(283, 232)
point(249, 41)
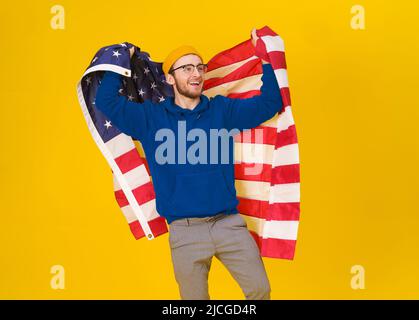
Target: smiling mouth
point(196, 87)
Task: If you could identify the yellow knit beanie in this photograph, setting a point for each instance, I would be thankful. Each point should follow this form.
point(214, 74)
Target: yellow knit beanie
point(176, 54)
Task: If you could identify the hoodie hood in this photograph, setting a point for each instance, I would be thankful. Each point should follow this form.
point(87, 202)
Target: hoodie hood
point(181, 113)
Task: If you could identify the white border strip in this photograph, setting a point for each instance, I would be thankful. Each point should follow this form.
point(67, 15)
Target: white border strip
point(109, 67)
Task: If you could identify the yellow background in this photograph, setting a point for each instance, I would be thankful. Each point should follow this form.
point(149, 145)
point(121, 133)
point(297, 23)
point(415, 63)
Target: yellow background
point(354, 100)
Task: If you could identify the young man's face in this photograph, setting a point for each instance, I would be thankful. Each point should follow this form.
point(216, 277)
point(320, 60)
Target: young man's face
point(184, 83)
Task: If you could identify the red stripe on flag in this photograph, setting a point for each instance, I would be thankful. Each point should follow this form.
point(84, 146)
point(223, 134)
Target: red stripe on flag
point(250, 68)
point(288, 211)
point(286, 137)
point(266, 135)
point(265, 31)
point(120, 198)
point(253, 208)
point(244, 95)
point(278, 248)
point(129, 160)
point(136, 229)
point(252, 171)
point(144, 193)
point(277, 60)
point(158, 226)
point(286, 98)
point(277, 211)
point(274, 248)
point(240, 52)
point(289, 173)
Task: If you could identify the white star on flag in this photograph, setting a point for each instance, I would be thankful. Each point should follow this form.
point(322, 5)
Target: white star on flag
point(141, 92)
point(107, 124)
point(146, 71)
point(153, 85)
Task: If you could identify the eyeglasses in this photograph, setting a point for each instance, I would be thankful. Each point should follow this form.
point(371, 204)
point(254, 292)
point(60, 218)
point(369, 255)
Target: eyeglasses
point(190, 68)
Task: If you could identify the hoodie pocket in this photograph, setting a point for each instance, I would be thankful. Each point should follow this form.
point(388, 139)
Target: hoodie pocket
point(200, 193)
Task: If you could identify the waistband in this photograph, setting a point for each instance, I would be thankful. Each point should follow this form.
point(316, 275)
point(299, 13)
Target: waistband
point(189, 221)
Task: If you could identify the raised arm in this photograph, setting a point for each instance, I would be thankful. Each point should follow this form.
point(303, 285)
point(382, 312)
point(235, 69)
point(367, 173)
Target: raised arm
point(129, 117)
point(249, 113)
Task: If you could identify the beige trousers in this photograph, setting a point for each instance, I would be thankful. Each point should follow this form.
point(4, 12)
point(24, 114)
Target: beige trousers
point(193, 243)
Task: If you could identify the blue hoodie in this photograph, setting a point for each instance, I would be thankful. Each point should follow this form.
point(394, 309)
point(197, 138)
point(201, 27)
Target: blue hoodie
point(186, 188)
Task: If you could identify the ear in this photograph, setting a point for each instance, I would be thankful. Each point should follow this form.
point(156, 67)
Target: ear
point(170, 79)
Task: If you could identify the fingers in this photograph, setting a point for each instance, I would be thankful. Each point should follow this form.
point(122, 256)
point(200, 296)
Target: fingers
point(131, 51)
point(254, 36)
point(260, 47)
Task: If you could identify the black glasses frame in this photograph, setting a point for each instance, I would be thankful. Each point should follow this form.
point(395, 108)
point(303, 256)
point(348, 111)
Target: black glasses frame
point(190, 64)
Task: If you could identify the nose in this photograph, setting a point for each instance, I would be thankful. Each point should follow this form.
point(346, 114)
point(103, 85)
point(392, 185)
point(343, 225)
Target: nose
point(196, 72)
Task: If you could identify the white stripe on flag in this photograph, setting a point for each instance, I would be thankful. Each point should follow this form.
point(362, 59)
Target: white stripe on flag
point(120, 145)
point(286, 230)
point(237, 86)
point(137, 177)
point(285, 120)
point(286, 155)
point(149, 210)
point(256, 190)
point(281, 77)
point(226, 70)
point(253, 153)
point(254, 224)
point(284, 193)
point(273, 43)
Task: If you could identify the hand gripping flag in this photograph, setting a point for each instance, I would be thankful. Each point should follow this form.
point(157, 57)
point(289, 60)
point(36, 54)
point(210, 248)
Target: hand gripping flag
point(267, 170)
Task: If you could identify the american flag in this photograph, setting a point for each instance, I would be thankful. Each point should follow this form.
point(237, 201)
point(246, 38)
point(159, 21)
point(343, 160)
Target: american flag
point(269, 197)
point(132, 184)
point(267, 169)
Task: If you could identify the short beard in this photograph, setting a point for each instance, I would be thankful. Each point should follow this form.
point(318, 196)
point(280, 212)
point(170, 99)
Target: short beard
point(186, 93)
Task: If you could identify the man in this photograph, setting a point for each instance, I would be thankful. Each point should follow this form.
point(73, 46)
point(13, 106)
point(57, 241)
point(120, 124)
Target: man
point(197, 195)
